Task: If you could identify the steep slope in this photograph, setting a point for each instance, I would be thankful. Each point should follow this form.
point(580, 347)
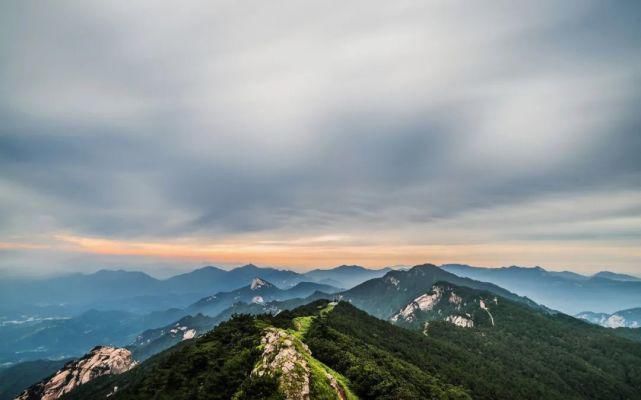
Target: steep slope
point(567, 292)
point(526, 354)
point(384, 297)
point(154, 341)
point(15, 379)
point(100, 361)
point(460, 306)
point(244, 358)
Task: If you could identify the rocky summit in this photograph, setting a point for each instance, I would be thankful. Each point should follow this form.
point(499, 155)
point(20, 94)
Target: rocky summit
point(101, 360)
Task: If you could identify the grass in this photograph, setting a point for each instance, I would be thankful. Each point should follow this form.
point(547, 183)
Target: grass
point(320, 384)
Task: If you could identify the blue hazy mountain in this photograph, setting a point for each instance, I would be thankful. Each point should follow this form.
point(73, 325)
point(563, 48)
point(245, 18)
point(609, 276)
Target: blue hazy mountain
point(138, 292)
point(345, 276)
point(568, 292)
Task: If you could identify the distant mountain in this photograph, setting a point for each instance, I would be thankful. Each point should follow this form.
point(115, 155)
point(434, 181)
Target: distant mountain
point(206, 279)
point(345, 276)
point(15, 379)
point(327, 350)
point(100, 361)
point(568, 292)
point(258, 291)
point(33, 338)
point(630, 318)
point(616, 277)
point(141, 293)
point(154, 341)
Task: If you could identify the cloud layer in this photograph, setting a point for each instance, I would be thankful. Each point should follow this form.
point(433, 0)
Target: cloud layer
point(363, 132)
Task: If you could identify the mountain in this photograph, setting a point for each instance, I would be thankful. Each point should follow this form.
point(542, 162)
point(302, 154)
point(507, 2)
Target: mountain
point(304, 289)
point(383, 297)
point(567, 292)
point(15, 379)
point(345, 276)
point(98, 362)
point(258, 291)
point(616, 277)
point(63, 337)
point(153, 341)
point(200, 280)
point(398, 289)
point(630, 318)
point(327, 350)
point(140, 293)
point(458, 305)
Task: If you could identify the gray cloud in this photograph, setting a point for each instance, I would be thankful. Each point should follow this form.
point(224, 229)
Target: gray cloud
point(151, 121)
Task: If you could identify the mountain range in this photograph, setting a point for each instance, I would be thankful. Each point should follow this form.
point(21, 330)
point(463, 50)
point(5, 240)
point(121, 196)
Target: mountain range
point(329, 350)
point(422, 332)
point(138, 292)
point(569, 292)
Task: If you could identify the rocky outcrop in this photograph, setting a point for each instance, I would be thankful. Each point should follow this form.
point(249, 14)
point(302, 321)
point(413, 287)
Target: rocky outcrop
point(283, 357)
point(101, 360)
point(461, 321)
point(424, 302)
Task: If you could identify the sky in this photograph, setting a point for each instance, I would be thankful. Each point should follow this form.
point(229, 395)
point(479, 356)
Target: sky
point(164, 136)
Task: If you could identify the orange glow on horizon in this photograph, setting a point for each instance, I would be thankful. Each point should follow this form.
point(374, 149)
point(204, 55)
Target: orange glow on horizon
point(314, 253)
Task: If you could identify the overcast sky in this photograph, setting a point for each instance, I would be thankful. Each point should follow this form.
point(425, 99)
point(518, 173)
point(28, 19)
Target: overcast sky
point(164, 136)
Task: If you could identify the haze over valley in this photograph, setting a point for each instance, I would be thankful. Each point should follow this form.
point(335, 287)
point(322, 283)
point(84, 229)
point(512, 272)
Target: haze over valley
point(320, 201)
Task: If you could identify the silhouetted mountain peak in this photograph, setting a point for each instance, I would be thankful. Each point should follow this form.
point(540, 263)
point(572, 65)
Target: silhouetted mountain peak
point(349, 268)
point(616, 276)
point(247, 267)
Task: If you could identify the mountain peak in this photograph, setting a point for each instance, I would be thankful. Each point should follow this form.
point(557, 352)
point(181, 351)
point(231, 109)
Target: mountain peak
point(248, 267)
point(423, 267)
point(616, 276)
point(258, 283)
point(101, 360)
point(349, 268)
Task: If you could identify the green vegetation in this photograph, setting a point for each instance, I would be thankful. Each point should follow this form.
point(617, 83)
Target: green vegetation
point(528, 354)
point(321, 387)
point(212, 367)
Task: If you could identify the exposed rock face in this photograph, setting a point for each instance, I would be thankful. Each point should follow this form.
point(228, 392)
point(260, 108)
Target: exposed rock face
point(283, 357)
point(455, 299)
point(258, 283)
point(422, 303)
point(101, 360)
point(461, 321)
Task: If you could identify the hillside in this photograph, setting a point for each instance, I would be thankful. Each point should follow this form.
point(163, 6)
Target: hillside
point(526, 353)
point(385, 296)
point(258, 291)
